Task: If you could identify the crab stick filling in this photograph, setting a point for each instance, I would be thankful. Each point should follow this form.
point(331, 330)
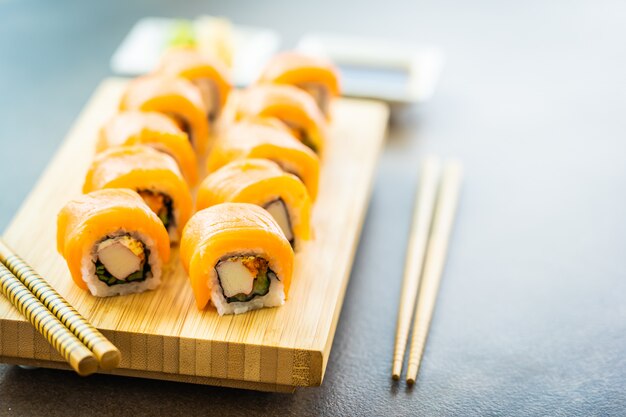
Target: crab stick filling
point(244, 277)
point(121, 259)
point(278, 209)
point(320, 94)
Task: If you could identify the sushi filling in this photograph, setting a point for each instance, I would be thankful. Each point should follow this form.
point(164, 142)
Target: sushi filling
point(301, 134)
point(211, 97)
point(183, 124)
point(288, 168)
point(161, 204)
point(278, 209)
point(242, 278)
point(121, 260)
point(320, 95)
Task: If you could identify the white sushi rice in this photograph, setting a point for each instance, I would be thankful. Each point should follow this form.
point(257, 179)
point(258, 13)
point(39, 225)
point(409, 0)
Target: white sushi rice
point(274, 298)
point(173, 232)
point(101, 289)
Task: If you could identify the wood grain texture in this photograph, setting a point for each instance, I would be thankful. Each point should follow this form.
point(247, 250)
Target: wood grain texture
point(80, 358)
point(161, 334)
point(107, 355)
point(445, 211)
point(414, 259)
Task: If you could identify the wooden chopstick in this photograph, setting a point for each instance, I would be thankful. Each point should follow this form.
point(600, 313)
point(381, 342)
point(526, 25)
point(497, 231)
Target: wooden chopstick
point(81, 359)
point(445, 211)
point(422, 219)
point(107, 355)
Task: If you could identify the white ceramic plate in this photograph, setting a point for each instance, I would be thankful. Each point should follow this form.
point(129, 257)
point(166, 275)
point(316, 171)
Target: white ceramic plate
point(140, 51)
point(374, 68)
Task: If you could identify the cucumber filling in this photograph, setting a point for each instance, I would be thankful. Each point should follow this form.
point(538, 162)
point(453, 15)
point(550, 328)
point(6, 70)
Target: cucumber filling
point(302, 134)
point(242, 278)
point(161, 204)
point(121, 260)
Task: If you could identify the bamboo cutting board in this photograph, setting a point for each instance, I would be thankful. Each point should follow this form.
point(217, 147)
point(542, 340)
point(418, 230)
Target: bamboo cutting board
point(161, 333)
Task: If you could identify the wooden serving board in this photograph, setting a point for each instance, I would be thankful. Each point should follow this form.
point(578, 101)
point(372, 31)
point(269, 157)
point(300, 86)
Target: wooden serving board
point(161, 333)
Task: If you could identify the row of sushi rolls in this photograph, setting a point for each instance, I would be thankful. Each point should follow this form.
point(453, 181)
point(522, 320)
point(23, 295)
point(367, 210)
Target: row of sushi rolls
point(261, 149)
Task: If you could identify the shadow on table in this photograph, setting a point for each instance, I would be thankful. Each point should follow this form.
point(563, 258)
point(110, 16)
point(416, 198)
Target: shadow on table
point(55, 392)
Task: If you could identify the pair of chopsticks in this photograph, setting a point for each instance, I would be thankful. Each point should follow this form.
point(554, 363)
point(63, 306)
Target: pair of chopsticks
point(79, 342)
point(435, 209)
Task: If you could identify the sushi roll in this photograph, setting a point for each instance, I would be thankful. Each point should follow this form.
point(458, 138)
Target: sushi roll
point(317, 76)
point(237, 257)
point(152, 174)
point(266, 138)
point(153, 129)
point(112, 242)
point(290, 105)
point(209, 75)
point(264, 183)
point(175, 97)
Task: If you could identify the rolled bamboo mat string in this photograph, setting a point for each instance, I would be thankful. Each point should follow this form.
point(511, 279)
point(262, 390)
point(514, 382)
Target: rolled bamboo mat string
point(81, 359)
point(106, 353)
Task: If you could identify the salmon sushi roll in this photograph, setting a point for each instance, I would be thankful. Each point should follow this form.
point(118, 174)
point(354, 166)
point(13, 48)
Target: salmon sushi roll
point(152, 174)
point(317, 76)
point(264, 183)
point(290, 105)
point(267, 139)
point(236, 256)
point(112, 242)
point(175, 97)
point(153, 129)
point(206, 73)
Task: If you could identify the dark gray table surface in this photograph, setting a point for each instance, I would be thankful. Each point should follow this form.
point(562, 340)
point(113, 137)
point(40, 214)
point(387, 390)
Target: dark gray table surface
point(531, 317)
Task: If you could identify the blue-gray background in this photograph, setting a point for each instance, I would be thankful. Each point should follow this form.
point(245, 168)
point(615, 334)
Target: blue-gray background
point(531, 318)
